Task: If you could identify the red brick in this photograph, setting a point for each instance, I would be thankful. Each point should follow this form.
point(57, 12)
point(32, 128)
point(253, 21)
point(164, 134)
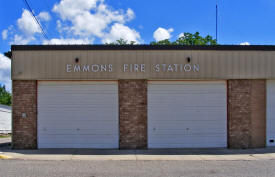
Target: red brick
point(133, 114)
point(246, 113)
point(24, 100)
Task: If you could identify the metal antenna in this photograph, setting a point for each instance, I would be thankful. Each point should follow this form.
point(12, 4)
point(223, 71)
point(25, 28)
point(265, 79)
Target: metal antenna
point(217, 21)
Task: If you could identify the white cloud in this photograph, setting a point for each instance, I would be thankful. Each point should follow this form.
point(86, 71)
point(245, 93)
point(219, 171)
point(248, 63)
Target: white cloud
point(89, 17)
point(181, 35)
point(5, 62)
point(22, 40)
point(119, 31)
point(162, 34)
point(130, 14)
point(4, 34)
point(27, 28)
point(79, 22)
point(44, 16)
point(62, 28)
point(27, 24)
point(245, 43)
point(67, 41)
point(68, 9)
point(5, 69)
point(88, 24)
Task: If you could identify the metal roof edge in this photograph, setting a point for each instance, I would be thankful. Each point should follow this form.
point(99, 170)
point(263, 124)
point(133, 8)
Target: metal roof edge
point(141, 47)
point(8, 54)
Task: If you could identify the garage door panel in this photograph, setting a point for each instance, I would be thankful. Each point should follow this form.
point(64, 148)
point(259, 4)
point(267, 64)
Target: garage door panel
point(108, 115)
point(81, 97)
point(69, 90)
point(90, 137)
point(188, 86)
point(200, 92)
point(192, 99)
point(78, 84)
point(187, 114)
point(77, 114)
point(187, 132)
point(201, 142)
point(77, 104)
point(186, 139)
point(97, 122)
point(72, 138)
point(207, 144)
point(78, 145)
point(77, 109)
point(76, 131)
point(65, 130)
point(58, 144)
point(191, 125)
point(88, 90)
point(79, 123)
point(77, 100)
point(187, 109)
point(189, 104)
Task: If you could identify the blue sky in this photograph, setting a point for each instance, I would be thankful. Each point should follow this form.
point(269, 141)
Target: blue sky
point(99, 21)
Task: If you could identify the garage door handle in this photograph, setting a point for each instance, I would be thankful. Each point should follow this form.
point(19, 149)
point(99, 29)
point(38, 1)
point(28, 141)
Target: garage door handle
point(154, 129)
point(77, 129)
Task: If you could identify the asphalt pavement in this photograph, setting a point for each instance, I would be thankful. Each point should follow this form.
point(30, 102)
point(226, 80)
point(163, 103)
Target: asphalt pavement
point(154, 162)
point(30, 168)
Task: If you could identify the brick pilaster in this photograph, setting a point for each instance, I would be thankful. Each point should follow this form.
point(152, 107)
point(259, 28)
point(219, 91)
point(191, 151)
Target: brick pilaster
point(133, 114)
point(24, 102)
point(246, 113)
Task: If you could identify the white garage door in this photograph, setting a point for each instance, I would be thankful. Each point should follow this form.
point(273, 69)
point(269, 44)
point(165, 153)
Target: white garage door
point(187, 114)
point(77, 114)
point(270, 117)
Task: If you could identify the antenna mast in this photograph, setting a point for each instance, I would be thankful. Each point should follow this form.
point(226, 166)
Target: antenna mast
point(217, 21)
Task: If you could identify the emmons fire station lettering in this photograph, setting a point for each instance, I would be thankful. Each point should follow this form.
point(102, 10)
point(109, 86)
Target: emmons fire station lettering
point(134, 68)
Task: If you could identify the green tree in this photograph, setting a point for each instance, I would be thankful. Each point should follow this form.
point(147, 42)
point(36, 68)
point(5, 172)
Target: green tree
point(163, 42)
point(121, 42)
point(189, 39)
point(5, 96)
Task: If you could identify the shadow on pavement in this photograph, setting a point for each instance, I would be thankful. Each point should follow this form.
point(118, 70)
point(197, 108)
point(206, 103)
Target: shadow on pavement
point(5, 142)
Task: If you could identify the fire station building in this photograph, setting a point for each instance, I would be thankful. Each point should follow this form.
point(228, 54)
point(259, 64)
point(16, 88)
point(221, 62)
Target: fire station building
point(142, 96)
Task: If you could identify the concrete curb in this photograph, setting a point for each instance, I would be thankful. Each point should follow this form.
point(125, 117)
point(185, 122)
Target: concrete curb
point(134, 157)
point(5, 157)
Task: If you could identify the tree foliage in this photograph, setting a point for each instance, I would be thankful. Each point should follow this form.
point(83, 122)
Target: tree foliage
point(5, 96)
point(185, 39)
point(189, 39)
point(121, 42)
point(163, 42)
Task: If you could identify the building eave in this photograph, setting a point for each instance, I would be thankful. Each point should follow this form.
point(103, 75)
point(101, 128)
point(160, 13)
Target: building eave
point(8, 54)
point(143, 47)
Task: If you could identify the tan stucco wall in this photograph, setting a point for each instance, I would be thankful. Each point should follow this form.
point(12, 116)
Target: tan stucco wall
point(52, 64)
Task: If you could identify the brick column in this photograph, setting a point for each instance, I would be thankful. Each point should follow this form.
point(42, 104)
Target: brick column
point(132, 114)
point(24, 103)
point(246, 113)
